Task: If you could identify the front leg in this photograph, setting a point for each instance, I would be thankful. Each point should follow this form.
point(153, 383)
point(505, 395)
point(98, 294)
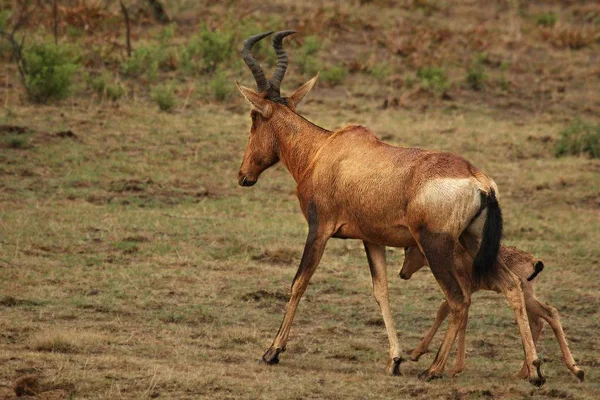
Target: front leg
point(317, 238)
point(377, 265)
point(423, 346)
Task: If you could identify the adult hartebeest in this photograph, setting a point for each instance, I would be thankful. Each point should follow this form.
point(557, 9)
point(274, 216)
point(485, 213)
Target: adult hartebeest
point(351, 185)
point(526, 267)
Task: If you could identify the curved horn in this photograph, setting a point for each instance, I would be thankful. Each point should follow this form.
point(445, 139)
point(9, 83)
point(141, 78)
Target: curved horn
point(262, 83)
point(282, 59)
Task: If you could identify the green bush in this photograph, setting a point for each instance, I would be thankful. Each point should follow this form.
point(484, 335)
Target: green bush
point(476, 76)
point(334, 75)
point(578, 138)
point(548, 19)
point(104, 85)
point(220, 86)
point(306, 57)
point(50, 71)
point(143, 61)
point(207, 49)
point(434, 79)
point(164, 96)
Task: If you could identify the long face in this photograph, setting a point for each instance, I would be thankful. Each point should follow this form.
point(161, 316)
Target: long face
point(414, 260)
point(261, 150)
point(267, 116)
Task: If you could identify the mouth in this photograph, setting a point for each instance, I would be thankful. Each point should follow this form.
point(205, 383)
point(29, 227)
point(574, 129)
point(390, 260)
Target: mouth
point(244, 181)
point(404, 276)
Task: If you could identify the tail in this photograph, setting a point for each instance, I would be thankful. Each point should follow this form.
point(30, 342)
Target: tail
point(539, 267)
point(484, 264)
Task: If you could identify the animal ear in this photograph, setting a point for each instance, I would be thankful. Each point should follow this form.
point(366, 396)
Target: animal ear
point(299, 94)
point(258, 102)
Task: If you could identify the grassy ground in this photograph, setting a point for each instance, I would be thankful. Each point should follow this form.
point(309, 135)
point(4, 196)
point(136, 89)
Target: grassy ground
point(133, 266)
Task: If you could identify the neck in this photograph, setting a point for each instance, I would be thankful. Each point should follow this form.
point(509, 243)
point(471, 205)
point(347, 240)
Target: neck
point(298, 142)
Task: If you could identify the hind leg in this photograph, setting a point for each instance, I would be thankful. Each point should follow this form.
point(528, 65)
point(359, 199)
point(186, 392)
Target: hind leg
point(536, 324)
point(512, 288)
point(460, 363)
point(550, 314)
point(438, 249)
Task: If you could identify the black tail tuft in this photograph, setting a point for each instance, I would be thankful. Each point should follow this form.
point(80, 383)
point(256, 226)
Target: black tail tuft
point(484, 264)
point(538, 267)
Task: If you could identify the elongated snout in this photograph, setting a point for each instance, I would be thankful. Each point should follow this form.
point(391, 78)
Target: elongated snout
point(244, 180)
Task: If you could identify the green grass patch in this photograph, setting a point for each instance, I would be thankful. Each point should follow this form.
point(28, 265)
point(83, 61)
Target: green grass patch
point(164, 96)
point(579, 138)
point(547, 19)
point(334, 75)
point(476, 76)
point(434, 79)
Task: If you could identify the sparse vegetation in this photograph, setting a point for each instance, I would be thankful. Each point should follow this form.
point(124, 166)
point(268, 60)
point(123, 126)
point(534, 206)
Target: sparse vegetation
point(380, 71)
point(579, 138)
point(547, 19)
point(164, 96)
point(50, 71)
point(334, 75)
point(127, 224)
point(307, 60)
point(220, 86)
point(434, 79)
point(476, 76)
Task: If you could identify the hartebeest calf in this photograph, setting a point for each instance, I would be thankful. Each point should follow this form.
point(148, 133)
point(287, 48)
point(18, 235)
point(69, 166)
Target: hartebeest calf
point(352, 186)
point(526, 267)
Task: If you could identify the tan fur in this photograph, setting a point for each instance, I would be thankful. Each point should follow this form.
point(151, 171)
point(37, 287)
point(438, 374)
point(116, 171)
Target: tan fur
point(351, 185)
point(520, 263)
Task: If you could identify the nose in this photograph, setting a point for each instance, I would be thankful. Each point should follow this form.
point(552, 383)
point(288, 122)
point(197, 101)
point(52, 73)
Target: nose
point(404, 275)
point(244, 181)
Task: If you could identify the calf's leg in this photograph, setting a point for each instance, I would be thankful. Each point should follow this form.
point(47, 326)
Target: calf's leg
point(423, 346)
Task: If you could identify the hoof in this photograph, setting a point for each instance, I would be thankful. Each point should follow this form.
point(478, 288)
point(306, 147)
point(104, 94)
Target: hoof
point(580, 375)
point(537, 382)
point(456, 371)
point(393, 368)
point(427, 376)
point(271, 357)
point(415, 355)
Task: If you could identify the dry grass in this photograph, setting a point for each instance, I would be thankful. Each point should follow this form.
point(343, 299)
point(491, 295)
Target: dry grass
point(133, 266)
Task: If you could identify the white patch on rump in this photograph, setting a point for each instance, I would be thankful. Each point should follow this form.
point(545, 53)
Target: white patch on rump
point(451, 203)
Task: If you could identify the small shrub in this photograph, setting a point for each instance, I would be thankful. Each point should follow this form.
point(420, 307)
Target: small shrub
point(334, 75)
point(307, 61)
point(579, 138)
point(102, 85)
point(50, 71)
point(164, 96)
point(220, 87)
point(434, 79)
point(476, 76)
point(548, 19)
point(143, 61)
point(206, 50)
point(114, 91)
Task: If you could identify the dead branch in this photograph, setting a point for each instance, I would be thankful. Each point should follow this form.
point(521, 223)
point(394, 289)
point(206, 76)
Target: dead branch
point(17, 54)
point(55, 21)
point(127, 27)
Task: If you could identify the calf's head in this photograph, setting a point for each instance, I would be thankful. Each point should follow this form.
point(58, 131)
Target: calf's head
point(414, 260)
